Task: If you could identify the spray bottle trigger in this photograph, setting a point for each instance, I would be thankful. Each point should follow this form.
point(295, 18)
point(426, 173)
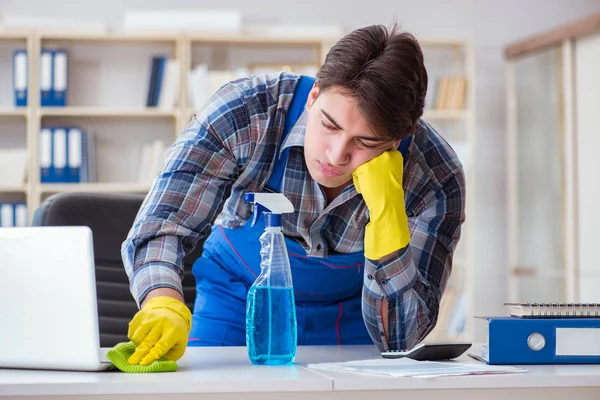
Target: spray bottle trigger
point(258, 209)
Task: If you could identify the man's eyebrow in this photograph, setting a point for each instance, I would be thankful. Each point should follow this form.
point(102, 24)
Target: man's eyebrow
point(369, 138)
point(330, 118)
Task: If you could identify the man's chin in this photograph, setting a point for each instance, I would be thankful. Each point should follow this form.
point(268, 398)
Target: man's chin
point(329, 181)
point(332, 183)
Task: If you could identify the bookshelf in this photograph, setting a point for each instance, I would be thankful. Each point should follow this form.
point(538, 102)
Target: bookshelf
point(452, 113)
point(13, 188)
point(122, 112)
point(14, 122)
point(122, 123)
point(12, 112)
point(94, 188)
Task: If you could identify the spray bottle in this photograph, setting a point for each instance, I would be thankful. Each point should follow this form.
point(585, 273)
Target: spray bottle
point(271, 335)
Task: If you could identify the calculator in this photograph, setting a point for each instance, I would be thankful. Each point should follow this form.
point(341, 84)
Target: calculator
point(430, 351)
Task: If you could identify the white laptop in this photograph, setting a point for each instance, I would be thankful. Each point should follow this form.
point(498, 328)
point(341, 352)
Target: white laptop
point(48, 307)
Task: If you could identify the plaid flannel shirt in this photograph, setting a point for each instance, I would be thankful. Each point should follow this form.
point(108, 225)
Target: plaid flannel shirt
point(228, 149)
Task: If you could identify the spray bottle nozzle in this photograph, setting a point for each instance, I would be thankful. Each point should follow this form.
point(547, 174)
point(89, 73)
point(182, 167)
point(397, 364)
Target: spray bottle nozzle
point(274, 203)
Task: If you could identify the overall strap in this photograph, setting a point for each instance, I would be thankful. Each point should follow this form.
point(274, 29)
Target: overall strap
point(294, 112)
point(404, 144)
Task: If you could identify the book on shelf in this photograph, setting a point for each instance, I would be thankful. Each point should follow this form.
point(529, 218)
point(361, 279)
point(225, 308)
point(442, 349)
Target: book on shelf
point(450, 93)
point(152, 158)
point(163, 83)
point(203, 83)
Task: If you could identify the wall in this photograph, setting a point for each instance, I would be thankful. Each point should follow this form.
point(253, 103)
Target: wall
point(587, 98)
point(489, 24)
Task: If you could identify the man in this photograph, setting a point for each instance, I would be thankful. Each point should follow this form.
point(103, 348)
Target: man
point(374, 231)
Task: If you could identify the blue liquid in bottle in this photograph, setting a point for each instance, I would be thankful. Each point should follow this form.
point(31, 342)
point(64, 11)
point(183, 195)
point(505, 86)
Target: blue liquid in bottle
point(271, 334)
point(271, 338)
point(271, 329)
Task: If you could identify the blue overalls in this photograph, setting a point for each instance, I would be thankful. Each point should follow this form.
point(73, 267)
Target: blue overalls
point(327, 290)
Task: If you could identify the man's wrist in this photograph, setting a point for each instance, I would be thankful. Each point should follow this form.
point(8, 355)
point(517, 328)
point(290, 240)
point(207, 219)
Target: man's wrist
point(384, 241)
point(162, 292)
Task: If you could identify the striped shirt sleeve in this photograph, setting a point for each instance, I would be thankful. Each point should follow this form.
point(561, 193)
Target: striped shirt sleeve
point(413, 280)
point(188, 194)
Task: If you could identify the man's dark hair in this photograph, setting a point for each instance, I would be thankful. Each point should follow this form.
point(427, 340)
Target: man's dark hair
point(383, 70)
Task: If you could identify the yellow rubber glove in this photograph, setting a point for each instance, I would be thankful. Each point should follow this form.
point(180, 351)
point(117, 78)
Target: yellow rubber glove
point(160, 329)
point(380, 183)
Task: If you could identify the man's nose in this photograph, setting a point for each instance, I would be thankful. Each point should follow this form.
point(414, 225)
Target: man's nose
point(338, 152)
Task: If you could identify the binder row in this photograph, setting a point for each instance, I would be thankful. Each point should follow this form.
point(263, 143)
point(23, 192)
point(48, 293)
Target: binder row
point(67, 155)
point(54, 66)
point(13, 214)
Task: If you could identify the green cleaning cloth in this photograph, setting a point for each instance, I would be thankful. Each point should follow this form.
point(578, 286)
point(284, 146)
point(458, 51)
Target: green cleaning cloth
point(119, 354)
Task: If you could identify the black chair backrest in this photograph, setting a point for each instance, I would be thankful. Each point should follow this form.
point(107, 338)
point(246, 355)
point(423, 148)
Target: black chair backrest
point(110, 217)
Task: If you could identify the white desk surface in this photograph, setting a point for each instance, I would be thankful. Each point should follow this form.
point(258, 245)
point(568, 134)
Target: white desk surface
point(226, 373)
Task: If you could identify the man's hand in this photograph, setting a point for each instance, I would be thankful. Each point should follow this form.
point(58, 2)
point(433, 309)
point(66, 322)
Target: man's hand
point(380, 183)
point(160, 329)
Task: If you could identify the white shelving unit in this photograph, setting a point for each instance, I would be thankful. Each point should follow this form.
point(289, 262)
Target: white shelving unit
point(107, 85)
point(456, 58)
point(14, 129)
point(108, 112)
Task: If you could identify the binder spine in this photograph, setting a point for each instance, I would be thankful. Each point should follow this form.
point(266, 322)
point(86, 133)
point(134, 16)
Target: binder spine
point(46, 78)
point(45, 150)
point(59, 78)
point(20, 78)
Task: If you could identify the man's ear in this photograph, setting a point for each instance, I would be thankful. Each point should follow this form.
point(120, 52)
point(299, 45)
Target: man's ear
point(312, 95)
point(396, 144)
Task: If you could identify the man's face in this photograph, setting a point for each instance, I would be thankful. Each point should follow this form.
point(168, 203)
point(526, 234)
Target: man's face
point(338, 138)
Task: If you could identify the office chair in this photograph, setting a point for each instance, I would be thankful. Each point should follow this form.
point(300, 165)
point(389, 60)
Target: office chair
point(110, 217)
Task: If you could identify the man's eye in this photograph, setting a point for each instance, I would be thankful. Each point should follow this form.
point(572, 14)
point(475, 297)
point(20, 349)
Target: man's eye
point(328, 127)
point(368, 146)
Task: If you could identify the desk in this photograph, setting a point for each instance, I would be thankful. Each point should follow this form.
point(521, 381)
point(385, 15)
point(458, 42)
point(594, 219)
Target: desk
point(224, 373)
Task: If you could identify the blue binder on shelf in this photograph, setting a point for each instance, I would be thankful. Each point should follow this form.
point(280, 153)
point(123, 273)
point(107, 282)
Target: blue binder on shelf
point(20, 77)
point(514, 340)
point(45, 155)
point(60, 73)
point(74, 154)
point(59, 155)
point(45, 77)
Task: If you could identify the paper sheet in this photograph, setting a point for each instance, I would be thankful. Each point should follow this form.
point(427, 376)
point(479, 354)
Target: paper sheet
point(404, 367)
